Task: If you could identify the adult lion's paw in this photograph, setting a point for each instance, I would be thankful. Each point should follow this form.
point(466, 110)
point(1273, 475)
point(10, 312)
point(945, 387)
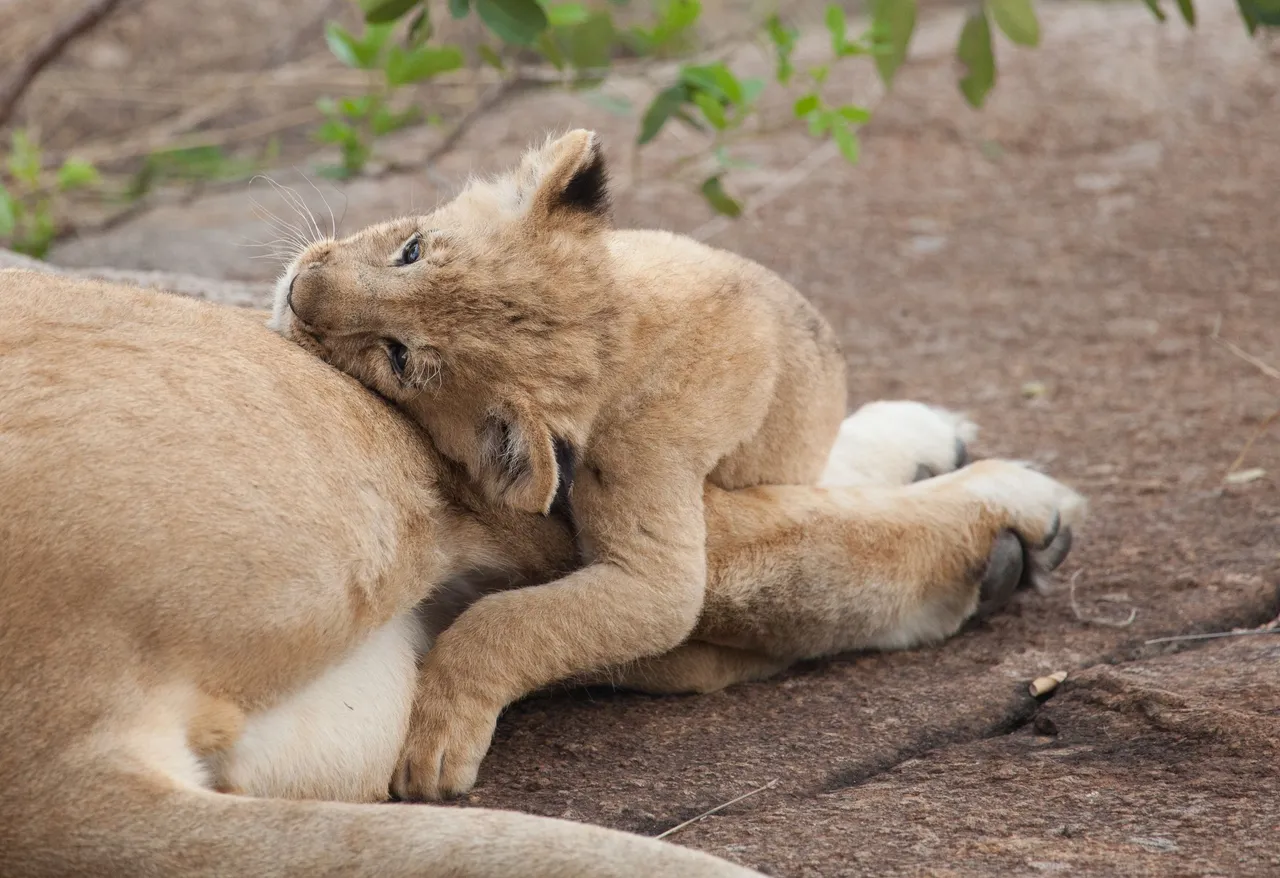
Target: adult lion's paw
point(449, 735)
point(1037, 516)
point(897, 442)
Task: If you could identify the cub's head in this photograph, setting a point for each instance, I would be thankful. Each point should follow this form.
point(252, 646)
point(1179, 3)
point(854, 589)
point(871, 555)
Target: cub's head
point(491, 321)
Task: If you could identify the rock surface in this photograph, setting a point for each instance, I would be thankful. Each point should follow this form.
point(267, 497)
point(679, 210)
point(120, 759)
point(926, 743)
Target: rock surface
point(1082, 236)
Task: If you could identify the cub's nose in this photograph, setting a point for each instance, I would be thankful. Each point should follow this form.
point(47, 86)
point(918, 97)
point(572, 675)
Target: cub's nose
point(306, 295)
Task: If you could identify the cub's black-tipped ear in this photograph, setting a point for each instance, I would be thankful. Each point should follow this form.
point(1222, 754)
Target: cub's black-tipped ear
point(570, 179)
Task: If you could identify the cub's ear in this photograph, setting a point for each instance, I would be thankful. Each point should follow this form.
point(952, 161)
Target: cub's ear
point(566, 180)
point(519, 465)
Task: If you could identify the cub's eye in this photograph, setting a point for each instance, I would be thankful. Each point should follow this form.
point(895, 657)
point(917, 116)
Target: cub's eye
point(398, 354)
point(412, 251)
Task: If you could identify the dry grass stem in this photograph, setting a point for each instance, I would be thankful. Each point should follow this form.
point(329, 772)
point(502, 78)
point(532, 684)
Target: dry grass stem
point(679, 826)
point(1081, 616)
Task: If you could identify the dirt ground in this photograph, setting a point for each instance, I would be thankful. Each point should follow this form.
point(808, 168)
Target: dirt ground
point(1055, 266)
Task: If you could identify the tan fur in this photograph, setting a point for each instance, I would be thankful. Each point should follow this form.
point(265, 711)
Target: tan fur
point(201, 519)
point(198, 514)
point(215, 725)
point(515, 316)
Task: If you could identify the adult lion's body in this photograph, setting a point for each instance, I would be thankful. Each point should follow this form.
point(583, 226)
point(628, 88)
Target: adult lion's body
point(210, 541)
point(198, 514)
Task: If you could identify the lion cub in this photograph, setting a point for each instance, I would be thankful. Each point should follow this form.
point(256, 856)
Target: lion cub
point(543, 349)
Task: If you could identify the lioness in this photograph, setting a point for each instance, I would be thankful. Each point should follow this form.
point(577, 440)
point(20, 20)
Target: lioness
point(538, 346)
point(211, 552)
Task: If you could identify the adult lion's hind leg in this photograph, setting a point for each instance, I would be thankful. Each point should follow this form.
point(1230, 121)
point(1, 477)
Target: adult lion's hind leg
point(802, 572)
point(896, 442)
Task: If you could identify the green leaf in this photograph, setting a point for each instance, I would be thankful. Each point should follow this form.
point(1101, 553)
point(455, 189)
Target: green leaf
point(519, 22)
point(974, 52)
point(459, 8)
point(375, 37)
point(490, 57)
point(420, 28)
point(892, 24)
point(347, 49)
point(716, 79)
point(1188, 12)
point(385, 121)
point(566, 14)
point(24, 158)
point(334, 131)
point(676, 17)
point(752, 88)
point(550, 49)
point(820, 122)
point(666, 104)
point(1250, 19)
point(1154, 6)
point(414, 65)
point(75, 174)
point(1017, 19)
point(8, 214)
point(819, 74)
point(1263, 12)
point(834, 18)
point(806, 105)
point(712, 109)
point(722, 202)
point(847, 141)
point(854, 114)
point(784, 43)
point(356, 108)
point(327, 105)
point(589, 45)
point(379, 11)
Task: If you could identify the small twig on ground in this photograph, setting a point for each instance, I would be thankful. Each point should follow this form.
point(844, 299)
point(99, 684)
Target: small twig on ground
point(673, 830)
point(1262, 366)
point(1270, 628)
point(1097, 620)
point(30, 67)
point(1262, 428)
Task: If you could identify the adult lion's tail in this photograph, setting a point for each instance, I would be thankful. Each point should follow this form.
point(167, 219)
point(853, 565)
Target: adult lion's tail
point(132, 826)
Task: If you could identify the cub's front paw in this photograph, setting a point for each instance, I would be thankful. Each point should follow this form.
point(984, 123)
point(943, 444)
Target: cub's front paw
point(1035, 516)
point(896, 442)
point(449, 734)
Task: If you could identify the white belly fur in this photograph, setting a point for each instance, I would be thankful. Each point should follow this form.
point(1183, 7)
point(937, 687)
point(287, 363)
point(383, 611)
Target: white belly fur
point(339, 737)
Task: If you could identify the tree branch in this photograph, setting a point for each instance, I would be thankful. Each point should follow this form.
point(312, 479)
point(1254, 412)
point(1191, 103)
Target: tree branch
point(30, 67)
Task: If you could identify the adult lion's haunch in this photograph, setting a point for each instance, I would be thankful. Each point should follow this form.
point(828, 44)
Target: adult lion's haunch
point(212, 545)
point(198, 521)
